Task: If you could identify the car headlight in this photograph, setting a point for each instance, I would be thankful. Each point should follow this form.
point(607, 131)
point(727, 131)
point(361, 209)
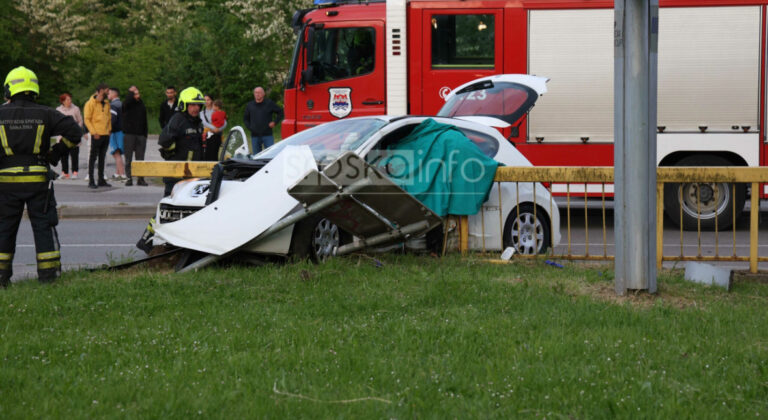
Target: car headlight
point(180, 185)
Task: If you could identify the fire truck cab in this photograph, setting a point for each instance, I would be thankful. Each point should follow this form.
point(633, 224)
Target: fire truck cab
point(356, 58)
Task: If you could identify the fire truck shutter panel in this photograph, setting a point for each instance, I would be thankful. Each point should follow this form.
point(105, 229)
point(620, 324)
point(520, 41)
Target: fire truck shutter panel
point(709, 65)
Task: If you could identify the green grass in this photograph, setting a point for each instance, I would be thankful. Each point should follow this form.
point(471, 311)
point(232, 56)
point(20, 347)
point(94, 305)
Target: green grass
point(416, 338)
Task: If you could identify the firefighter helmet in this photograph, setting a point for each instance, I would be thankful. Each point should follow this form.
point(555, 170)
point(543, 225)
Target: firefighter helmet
point(188, 96)
point(21, 79)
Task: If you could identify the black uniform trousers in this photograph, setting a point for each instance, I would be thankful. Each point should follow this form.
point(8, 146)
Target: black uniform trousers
point(41, 208)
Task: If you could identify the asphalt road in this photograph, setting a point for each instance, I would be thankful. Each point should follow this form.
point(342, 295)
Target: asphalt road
point(84, 243)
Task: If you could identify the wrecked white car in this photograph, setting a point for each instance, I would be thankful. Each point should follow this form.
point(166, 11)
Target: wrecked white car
point(329, 189)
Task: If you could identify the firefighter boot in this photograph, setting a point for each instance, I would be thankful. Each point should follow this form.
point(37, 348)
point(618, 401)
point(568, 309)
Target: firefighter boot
point(6, 269)
point(48, 266)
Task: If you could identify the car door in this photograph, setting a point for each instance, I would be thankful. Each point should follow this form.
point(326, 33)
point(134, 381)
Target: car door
point(236, 144)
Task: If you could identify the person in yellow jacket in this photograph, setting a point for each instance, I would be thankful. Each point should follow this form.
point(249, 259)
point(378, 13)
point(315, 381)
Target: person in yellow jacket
point(98, 120)
point(26, 179)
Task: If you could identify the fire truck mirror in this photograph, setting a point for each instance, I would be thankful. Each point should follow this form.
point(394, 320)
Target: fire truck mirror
point(306, 76)
point(514, 132)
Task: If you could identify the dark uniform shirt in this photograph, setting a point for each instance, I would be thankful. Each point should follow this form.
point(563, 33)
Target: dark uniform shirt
point(26, 129)
point(182, 138)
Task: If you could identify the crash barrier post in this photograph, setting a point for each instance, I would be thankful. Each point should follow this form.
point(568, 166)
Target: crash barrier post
point(589, 184)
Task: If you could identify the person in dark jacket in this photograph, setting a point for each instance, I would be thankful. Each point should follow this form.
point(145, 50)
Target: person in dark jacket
point(168, 107)
point(136, 130)
point(26, 179)
point(182, 137)
point(261, 115)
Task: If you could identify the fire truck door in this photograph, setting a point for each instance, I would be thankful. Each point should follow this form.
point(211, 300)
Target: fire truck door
point(460, 46)
point(342, 73)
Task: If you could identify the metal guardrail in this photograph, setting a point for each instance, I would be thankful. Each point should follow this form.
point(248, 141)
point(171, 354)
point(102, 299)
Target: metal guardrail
point(597, 178)
point(604, 175)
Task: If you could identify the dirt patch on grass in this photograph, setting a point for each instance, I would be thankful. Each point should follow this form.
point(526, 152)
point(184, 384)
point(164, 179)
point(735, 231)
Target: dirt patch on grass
point(509, 280)
point(605, 292)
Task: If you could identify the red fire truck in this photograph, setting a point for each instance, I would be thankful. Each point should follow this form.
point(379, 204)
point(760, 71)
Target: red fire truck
point(359, 58)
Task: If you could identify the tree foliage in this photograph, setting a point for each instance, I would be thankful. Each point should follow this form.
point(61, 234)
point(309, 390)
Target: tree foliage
point(223, 47)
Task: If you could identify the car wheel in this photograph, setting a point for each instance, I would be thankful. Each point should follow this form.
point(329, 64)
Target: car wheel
point(714, 201)
point(527, 231)
point(316, 238)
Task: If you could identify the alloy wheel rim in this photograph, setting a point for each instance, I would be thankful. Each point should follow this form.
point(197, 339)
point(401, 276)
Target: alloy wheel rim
point(527, 234)
point(325, 238)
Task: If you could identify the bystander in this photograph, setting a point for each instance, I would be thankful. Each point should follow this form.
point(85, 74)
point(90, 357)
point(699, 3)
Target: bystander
point(98, 120)
point(116, 137)
point(260, 116)
point(168, 107)
point(135, 129)
point(72, 154)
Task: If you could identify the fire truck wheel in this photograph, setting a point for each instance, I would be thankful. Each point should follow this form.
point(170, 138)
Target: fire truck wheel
point(315, 238)
point(527, 231)
point(712, 203)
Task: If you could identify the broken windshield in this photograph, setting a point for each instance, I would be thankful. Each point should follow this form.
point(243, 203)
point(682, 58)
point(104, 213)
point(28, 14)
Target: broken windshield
point(328, 141)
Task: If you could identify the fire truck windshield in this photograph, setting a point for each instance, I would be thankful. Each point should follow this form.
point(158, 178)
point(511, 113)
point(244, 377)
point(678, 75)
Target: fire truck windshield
point(339, 53)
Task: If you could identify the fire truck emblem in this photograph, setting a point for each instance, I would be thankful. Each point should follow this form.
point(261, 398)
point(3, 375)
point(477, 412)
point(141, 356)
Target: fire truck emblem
point(340, 102)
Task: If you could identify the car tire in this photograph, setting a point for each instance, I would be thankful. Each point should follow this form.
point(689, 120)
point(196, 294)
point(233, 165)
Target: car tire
point(687, 195)
point(316, 239)
point(527, 231)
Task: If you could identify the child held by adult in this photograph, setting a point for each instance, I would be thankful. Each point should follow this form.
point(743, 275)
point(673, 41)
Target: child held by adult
point(214, 121)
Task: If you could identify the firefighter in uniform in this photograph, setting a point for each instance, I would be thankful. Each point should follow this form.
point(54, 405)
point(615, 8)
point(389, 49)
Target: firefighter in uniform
point(182, 137)
point(25, 176)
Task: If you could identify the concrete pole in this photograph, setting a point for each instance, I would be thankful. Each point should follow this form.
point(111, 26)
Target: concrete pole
point(636, 45)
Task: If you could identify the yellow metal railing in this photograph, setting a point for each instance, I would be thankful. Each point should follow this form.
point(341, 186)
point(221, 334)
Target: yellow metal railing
point(587, 176)
point(570, 177)
point(730, 175)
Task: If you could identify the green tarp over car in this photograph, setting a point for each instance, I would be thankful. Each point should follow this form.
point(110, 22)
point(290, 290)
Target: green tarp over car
point(441, 167)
